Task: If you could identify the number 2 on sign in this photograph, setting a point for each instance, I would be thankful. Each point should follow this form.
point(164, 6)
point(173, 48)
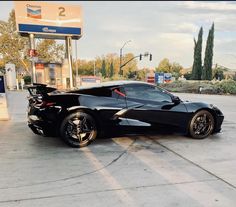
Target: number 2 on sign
point(62, 12)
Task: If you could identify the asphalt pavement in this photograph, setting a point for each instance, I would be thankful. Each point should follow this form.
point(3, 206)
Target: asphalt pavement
point(152, 170)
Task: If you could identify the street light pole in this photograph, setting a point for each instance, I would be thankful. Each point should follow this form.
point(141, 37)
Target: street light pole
point(69, 56)
point(120, 61)
point(76, 64)
point(121, 55)
point(32, 47)
point(94, 70)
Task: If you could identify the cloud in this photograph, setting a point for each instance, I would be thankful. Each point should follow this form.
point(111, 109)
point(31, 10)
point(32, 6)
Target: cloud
point(225, 46)
point(166, 29)
point(185, 27)
point(121, 28)
point(211, 6)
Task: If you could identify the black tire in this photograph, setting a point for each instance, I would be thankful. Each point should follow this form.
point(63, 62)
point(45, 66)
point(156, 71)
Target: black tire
point(201, 125)
point(78, 129)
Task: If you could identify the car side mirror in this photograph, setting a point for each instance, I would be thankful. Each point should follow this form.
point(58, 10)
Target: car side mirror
point(176, 99)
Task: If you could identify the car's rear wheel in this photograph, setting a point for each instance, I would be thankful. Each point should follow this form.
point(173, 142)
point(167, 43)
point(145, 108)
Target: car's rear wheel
point(201, 125)
point(78, 129)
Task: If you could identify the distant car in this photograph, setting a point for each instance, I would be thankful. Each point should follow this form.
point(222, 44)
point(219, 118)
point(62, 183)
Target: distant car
point(78, 116)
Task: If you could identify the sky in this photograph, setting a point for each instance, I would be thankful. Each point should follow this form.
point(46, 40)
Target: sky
point(165, 29)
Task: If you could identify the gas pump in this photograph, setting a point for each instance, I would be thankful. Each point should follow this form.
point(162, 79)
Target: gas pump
point(4, 115)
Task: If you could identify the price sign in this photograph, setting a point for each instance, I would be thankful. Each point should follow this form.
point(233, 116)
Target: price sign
point(48, 19)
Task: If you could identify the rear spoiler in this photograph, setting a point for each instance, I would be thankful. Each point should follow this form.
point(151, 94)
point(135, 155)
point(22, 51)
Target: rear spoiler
point(40, 89)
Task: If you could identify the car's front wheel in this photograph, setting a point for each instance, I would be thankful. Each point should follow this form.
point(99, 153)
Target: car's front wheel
point(201, 125)
point(78, 129)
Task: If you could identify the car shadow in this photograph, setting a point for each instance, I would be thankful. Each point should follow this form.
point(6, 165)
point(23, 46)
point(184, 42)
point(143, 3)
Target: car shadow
point(132, 132)
point(107, 136)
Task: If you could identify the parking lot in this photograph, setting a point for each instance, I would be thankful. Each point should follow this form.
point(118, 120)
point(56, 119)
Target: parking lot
point(153, 170)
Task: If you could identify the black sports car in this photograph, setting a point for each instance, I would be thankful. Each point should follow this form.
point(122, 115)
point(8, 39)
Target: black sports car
point(79, 116)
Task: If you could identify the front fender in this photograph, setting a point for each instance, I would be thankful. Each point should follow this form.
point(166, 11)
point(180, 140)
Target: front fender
point(193, 107)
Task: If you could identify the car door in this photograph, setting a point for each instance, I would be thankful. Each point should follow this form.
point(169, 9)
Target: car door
point(154, 106)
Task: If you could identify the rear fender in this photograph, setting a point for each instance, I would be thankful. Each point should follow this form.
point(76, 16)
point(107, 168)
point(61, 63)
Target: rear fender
point(74, 108)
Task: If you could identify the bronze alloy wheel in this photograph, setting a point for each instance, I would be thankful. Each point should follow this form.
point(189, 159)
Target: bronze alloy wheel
point(201, 125)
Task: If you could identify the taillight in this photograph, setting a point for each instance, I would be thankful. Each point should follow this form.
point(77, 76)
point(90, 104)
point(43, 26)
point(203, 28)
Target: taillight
point(46, 104)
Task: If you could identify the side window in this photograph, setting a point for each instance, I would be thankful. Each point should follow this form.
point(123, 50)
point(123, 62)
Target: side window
point(136, 91)
point(146, 92)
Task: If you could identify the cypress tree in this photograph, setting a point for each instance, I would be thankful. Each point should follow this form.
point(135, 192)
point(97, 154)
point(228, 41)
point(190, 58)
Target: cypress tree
point(197, 57)
point(207, 68)
point(111, 70)
point(103, 70)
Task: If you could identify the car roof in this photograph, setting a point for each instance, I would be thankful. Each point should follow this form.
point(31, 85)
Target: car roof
point(112, 83)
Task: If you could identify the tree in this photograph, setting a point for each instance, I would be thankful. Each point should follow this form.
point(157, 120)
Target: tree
point(110, 57)
point(49, 51)
point(103, 69)
point(197, 57)
point(218, 72)
point(164, 66)
point(2, 67)
point(188, 76)
point(115, 59)
point(84, 67)
point(107, 66)
point(176, 68)
point(207, 68)
point(141, 74)
point(111, 70)
point(13, 47)
point(130, 67)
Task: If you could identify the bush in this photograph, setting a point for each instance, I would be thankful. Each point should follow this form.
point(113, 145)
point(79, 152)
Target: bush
point(27, 79)
point(207, 87)
point(188, 76)
point(227, 86)
point(181, 86)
